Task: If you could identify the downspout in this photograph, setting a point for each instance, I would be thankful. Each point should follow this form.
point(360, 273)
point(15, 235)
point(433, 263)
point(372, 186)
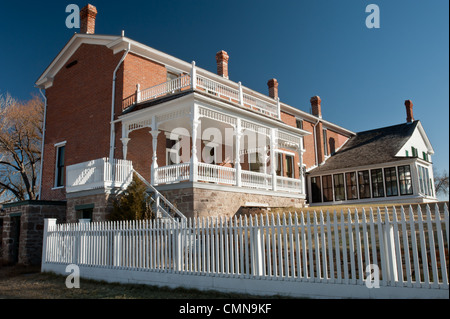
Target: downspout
point(42, 143)
point(112, 137)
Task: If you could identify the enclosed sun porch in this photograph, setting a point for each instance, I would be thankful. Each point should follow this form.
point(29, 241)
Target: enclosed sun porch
point(199, 130)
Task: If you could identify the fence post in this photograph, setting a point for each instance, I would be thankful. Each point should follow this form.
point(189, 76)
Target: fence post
point(48, 223)
point(389, 250)
point(258, 248)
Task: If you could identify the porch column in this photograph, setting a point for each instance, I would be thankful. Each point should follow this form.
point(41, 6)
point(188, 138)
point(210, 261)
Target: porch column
point(124, 140)
point(237, 158)
point(155, 134)
point(264, 159)
point(301, 170)
point(193, 169)
point(273, 164)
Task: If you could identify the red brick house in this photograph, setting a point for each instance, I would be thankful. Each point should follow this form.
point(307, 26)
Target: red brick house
point(209, 144)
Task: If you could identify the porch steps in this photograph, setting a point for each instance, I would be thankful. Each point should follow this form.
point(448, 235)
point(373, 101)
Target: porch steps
point(162, 206)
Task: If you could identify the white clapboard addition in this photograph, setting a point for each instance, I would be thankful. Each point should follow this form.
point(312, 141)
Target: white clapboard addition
point(317, 254)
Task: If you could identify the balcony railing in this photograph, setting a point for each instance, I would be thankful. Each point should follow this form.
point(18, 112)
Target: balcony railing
point(233, 92)
point(103, 173)
point(223, 175)
point(99, 173)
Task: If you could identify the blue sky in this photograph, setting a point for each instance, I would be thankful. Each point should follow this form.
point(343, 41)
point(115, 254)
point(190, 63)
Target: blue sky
point(312, 47)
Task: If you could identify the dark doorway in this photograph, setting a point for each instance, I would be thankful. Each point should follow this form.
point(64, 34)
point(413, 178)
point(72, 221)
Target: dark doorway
point(15, 236)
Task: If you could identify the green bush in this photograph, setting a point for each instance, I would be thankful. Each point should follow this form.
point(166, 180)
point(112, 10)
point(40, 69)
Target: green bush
point(134, 203)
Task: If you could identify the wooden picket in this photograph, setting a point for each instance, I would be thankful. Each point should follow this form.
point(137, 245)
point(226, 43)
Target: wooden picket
point(409, 248)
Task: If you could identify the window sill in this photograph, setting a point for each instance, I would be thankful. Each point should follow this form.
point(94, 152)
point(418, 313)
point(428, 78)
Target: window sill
point(59, 187)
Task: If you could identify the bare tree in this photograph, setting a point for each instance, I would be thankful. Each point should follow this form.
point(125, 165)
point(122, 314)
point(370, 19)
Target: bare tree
point(20, 147)
point(441, 183)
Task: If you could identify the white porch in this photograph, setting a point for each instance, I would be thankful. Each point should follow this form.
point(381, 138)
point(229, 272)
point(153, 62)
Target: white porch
point(265, 155)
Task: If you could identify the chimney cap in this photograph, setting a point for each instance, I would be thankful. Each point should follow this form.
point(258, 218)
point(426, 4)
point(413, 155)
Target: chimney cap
point(315, 99)
point(222, 56)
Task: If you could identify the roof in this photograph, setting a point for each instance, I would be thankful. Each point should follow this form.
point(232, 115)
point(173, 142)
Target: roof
point(370, 147)
point(120, 43)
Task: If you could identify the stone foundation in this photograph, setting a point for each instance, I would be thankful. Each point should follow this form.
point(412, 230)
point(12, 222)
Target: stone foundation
point(22, 229)
point(203, 202)
point(101, 205)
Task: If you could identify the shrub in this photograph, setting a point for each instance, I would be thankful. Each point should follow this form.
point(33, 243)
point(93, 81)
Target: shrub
point(134, 203)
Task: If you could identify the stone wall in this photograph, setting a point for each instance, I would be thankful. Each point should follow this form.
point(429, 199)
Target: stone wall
point(22, 231)
point(200, 202)
point(102, 206)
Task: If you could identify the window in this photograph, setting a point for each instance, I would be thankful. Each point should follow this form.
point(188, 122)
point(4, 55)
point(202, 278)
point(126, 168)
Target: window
point(299, 123)
point(327, 188)
point(390, 179)
point(339, 192)
point(350, 182)
point(425, 185)
point(171, 76)
point(59, 172)
point(414, 152)
point(364, 184)
point(279, 164)
point(404, 178)
point(289, 166)
point(325, 146)
point(172, 154)
point(377, 183)
point(425, 156)
point(316, 194)
point(85, 213)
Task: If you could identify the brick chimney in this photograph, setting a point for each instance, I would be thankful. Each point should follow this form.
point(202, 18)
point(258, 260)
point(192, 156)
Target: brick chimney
point(273, 88)
point(222, 63)
point(315, 106)
point(87, 19)
point(409, 111)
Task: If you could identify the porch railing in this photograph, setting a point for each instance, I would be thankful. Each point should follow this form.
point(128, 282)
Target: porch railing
point(233, 92)
point(216, 174)
point(256, 180)
point(99, 173)
point(226, 176)
point(172, 173)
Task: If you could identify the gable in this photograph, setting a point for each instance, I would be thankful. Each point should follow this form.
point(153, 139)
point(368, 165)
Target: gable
point(418, 140)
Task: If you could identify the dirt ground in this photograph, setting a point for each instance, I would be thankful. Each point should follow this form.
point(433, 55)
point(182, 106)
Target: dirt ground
point(29, 283)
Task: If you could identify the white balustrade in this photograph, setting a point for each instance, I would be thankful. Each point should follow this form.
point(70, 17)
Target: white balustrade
point(236, 93)
point(99, 173)
point(172, 173)
point(216, 174)
point(171, 86)
point(288, 184)
point(256, 180)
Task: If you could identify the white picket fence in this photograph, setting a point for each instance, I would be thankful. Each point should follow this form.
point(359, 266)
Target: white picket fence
point(311, 254)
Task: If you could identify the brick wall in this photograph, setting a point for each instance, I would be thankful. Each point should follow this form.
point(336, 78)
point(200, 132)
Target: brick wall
point(79, 111)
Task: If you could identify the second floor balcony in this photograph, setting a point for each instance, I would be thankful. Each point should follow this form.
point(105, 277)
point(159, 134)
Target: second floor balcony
point(229, 91)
